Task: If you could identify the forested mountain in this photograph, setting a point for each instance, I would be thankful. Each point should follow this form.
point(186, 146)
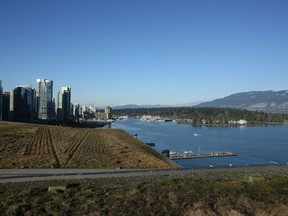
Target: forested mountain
point(266, 101)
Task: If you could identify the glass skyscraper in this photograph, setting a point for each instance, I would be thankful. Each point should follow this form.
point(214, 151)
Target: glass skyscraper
point(44, 96)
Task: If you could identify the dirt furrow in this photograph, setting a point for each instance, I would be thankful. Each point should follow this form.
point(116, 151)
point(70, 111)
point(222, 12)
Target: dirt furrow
point(53, 148)
point(77, 145)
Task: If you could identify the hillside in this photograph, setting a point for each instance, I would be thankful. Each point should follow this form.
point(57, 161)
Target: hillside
point(42, 146)
point(266, 101)
point(212, 192)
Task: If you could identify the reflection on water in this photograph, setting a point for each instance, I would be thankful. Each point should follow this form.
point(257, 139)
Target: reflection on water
point(254, 145)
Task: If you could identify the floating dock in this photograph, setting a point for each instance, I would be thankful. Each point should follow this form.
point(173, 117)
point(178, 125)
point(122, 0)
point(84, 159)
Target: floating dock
point(190, 155)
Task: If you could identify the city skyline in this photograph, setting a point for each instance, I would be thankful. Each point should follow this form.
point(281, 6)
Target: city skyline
point(25, 103)
point(55, 94)
point(145, 52)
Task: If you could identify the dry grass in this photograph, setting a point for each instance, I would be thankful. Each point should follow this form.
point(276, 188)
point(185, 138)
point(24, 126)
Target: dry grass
point(173, 197)
point(42, 146)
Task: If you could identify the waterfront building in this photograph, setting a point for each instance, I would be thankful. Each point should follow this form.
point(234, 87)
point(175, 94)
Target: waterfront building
point(44, 99)
point(108, 111)
point(1, 100)
point(22, 103)
point(107, 114)
point(64, 104)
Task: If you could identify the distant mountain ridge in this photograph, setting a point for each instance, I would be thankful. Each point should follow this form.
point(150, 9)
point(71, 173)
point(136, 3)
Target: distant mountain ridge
point(266, 101)
point(135, 106)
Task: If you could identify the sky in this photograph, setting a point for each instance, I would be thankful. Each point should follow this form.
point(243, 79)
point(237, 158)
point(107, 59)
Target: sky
point(171, 52)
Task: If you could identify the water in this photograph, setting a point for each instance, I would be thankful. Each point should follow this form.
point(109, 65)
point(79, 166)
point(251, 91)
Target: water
point(259, 145)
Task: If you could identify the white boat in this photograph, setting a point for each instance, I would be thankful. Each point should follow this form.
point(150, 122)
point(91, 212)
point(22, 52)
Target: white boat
point(188, 152)
point(195, 134)
point(122, 118)
point(149, 118)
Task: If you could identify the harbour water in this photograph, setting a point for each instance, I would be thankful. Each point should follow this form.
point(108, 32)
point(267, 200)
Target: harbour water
point(259, 145)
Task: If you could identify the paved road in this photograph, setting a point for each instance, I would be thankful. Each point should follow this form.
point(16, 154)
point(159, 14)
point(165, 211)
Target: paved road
point(25, 175)
point(21, 175)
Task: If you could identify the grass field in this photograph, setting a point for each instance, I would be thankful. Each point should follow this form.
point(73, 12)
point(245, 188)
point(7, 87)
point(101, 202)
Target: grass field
point(45, 146)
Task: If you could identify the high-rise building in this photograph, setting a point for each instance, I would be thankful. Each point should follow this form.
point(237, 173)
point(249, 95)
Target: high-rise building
point(64, 104)
point(83, 110)
point(22, 103)
point(44, 99)
point(76, 110)
point(92, 109)
point(1, 100)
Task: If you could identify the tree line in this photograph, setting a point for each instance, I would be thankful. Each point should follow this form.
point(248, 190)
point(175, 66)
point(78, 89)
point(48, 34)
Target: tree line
point(209, 115)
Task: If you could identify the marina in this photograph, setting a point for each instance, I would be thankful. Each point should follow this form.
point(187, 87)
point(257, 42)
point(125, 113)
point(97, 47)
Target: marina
point(191, 155)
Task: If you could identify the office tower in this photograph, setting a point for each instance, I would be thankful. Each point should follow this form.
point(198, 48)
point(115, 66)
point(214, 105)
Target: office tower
point(22, 103)
point(64, 104)
point(44, 99)
point(1, 100)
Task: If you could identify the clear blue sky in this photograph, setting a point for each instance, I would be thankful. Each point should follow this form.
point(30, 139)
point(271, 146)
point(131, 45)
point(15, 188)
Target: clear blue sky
point(116, 52)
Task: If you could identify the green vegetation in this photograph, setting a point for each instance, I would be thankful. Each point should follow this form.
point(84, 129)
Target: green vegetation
point(210, 115)
point(172, 197)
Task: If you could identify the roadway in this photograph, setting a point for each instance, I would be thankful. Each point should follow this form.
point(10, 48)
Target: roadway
point(24, 175)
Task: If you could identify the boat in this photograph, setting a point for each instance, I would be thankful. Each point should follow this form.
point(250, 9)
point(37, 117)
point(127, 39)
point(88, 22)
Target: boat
point(122, 118)
point(188, 152)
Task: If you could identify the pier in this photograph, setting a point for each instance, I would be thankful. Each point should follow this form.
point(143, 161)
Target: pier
point(190, 155)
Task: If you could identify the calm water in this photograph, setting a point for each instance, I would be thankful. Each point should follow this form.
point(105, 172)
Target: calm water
point(254, 145)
